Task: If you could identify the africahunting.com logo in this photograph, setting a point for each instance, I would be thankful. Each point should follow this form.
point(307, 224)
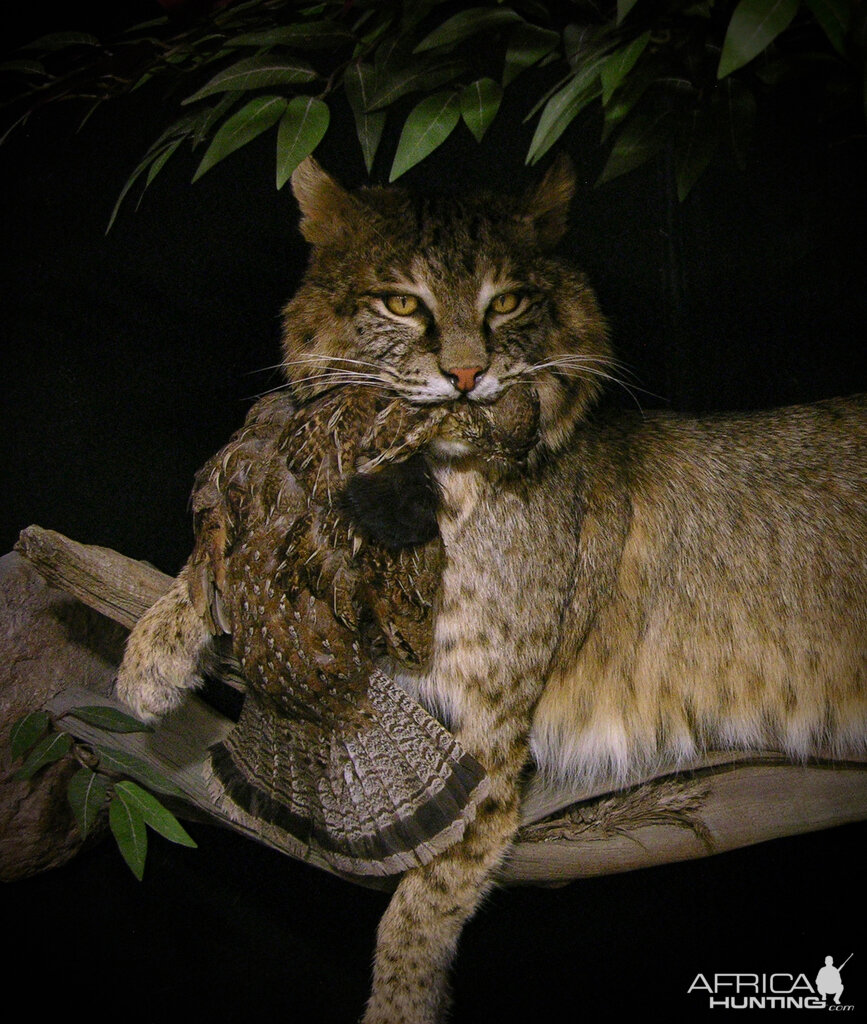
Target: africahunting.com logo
point(781, 991)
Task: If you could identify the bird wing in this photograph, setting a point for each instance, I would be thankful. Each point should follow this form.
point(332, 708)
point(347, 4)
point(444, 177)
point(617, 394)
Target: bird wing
point(227, 499)
point(328, 749)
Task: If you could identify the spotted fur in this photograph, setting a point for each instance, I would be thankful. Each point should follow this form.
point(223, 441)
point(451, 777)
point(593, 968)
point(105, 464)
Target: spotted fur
point(649, 587)
point(642, 588)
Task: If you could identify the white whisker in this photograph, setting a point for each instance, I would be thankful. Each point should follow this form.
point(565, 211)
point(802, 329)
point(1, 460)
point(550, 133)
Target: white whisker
point(265, 369)
point(576, 365)
point(383, 371)
point(270, 391)
point(581, 361)
point(322, 357)
point(337, 378)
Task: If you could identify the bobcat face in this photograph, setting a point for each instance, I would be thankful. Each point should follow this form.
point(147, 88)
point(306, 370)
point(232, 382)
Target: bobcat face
point(440, 338)
point(444, 300)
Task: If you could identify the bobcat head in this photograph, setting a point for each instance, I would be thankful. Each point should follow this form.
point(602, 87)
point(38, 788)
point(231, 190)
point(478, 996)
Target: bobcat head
point(445, 299)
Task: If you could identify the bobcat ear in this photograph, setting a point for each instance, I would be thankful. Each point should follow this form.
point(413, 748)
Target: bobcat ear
point(546, 206)
point(327, 209)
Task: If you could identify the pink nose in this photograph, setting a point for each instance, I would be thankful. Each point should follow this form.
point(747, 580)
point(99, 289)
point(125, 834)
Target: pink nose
point(464, 379)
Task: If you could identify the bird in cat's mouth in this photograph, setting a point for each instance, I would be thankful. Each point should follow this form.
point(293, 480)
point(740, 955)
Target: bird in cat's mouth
point(504, 430)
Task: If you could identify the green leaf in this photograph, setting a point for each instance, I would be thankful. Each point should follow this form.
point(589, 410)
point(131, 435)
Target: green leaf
point(358, 82)
point(627, 95)
point(480, 102)
point(153, 171)
point(369, 39)
point(465, 24)
point(528, 44)
point(142, 25)
point(393, 83)
point(91, 110)
point(181, 128)
point(255, 73)
point(153, 154)
point(428, 125)
point(86, 793)
point(24, 67)
point(623, 8)
point(17, 123)
point(639, 140)
point(131, 180)
point(202, 123)
point(835, 17)
point(303, 36)
point(154, 814)
point(415, 11)
point(52, 748)
point(618, 65)
point(236, 131)
point(229, 12)
point(142, 81)
point(543, 99)
point(61, 40)
point(394, 52)
point(27, 730)
point(104, 717)
point(537, 9)
point(754, 25)
point(128, 828)
point(561, 109)
point(300, 131)
point(694, 150)
point(124, 763)
point(583, 44)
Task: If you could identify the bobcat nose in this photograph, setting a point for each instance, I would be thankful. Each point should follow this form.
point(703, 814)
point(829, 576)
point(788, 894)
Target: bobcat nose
point(464, 378)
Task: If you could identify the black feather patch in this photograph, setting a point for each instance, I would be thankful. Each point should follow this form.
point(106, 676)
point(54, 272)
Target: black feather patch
point(396, 505)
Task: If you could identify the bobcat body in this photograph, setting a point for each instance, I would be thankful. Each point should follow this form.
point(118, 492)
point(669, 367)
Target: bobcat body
point(642, 588)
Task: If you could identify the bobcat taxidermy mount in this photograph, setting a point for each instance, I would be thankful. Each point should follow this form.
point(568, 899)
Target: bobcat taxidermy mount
point(635, 589)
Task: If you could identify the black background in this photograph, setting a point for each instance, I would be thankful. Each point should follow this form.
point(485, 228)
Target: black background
point(129, 359)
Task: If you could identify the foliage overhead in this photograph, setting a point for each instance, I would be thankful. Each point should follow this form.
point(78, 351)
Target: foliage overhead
point(681, 74)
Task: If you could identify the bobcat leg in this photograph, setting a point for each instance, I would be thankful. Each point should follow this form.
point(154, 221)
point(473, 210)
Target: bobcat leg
point(419, 931)
point(164, 654)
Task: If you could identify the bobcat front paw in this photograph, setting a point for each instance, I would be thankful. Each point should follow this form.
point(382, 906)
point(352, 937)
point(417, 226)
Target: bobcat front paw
point(164, 655)
point(144, 687)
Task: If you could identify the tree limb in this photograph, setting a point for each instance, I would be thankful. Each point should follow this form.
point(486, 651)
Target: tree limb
point(719, 802)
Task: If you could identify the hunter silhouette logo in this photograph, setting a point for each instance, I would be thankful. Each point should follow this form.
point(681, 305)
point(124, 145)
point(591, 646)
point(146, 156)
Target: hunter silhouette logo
point(778, 991)
point(828, 980)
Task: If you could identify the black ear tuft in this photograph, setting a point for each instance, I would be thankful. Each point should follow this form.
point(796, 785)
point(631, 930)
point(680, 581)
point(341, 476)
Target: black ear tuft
point(395, 506)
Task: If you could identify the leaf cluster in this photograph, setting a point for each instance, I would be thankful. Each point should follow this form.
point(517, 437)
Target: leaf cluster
point(99, 782)
point(685, 74)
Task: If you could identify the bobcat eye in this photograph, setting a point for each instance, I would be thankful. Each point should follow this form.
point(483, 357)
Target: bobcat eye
point(401, 305)
point(506, 302)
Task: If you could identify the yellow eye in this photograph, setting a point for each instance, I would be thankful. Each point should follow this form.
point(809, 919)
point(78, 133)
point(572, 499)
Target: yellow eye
point(402, 305)
point(506, 302)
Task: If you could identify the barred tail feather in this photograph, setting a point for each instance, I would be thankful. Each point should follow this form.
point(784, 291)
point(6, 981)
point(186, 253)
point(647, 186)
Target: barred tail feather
point(376, 801)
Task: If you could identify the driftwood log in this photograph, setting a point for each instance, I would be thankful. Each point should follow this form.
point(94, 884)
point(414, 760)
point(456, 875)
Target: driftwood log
point(61, 635)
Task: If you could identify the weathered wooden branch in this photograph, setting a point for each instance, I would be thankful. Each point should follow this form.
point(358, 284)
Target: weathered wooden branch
point(723, 801)
point(117, 586)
